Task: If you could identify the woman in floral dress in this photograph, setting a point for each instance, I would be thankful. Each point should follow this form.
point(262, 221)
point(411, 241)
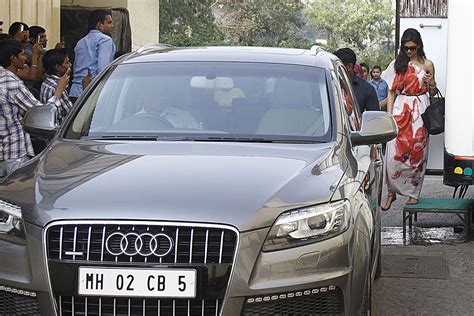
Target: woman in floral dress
point(410, 77)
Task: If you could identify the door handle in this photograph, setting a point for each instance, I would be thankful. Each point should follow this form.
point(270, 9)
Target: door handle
point(438, 26)
point(378, 163)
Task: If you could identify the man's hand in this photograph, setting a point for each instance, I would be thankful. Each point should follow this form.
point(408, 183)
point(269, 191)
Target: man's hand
point(36, 49)
point(87, 79)
point(62, 85)
point(60, 45)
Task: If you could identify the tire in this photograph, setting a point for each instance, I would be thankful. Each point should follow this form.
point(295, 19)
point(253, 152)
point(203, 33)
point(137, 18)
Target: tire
point(367, 304)
point(378, 269)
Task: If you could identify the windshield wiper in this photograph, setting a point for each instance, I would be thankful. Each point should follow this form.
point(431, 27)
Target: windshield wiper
point(200, 139)
point(252, 140)
point(139, 137)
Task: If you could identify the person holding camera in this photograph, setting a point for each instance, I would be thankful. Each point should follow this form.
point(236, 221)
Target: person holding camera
point(15, 100)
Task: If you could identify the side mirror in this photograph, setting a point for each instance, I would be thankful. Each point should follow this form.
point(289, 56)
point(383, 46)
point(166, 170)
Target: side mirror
point(41, 121)
point(377, 127)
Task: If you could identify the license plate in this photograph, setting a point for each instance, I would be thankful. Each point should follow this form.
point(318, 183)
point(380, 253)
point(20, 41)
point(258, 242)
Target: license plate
point(137, 282)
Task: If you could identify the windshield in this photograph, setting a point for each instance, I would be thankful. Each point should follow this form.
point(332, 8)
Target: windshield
point(207, 101)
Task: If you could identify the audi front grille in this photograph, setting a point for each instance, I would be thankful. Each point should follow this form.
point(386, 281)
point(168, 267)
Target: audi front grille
point(209, 249)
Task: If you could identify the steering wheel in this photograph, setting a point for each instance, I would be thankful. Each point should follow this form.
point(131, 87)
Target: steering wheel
point(157, 121)
point(143, 122)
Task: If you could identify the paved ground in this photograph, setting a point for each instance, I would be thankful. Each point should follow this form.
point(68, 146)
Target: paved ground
point(434, 236)
point(420, 296)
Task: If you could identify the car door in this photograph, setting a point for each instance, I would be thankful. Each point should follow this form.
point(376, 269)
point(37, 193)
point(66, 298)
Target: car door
point(369, 164)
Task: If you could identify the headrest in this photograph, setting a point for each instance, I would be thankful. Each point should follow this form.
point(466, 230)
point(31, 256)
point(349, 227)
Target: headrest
point(215, 83)
point(224, 97)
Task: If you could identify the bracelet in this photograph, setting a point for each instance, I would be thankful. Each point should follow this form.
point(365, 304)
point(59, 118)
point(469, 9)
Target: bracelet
point(34, 65)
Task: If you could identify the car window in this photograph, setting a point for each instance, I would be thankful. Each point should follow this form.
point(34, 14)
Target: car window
point(220, 99)
point(350, 104)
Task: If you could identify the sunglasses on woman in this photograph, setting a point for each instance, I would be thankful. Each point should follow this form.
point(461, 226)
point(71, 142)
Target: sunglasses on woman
point(409, 48)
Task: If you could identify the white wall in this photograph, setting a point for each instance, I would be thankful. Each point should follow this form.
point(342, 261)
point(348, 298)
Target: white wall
point(96, 3)
point(45, 13)
point(144, 20)
point(459, 90)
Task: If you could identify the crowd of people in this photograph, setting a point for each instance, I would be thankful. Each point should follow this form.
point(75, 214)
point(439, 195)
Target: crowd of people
point(367, 98)
point(32, 76)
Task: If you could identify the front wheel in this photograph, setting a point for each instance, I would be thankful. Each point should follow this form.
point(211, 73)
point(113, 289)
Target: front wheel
point(378, 269)
point(367, 307)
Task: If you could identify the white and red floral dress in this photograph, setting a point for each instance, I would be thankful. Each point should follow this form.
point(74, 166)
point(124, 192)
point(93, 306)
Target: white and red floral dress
point(406, 156)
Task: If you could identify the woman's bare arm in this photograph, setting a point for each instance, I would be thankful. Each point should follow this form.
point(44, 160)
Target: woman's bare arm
point(429, 77)
point(391, 100)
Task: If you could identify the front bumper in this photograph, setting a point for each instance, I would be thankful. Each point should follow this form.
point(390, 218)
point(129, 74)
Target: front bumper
point(316, 277)
point(24, 280)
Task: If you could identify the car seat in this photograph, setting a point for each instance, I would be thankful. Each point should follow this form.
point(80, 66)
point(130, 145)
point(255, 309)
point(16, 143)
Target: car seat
point(292, 111)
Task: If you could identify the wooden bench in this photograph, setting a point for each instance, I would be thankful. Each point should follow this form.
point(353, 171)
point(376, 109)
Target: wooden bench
point(437, 205)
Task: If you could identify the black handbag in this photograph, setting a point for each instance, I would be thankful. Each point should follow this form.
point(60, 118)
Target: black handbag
point(433, 118)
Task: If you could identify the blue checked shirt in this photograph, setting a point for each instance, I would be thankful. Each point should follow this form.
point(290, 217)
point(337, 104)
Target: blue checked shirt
point(47, 92)
point(15, 100)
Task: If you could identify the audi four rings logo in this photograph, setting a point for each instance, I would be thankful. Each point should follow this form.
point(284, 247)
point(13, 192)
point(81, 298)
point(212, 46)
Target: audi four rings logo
point(145, 244)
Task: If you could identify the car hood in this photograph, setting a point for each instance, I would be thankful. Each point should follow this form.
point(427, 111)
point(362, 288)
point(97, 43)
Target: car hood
point(246, 185)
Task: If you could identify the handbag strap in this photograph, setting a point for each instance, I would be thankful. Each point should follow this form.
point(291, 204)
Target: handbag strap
point(437, 94)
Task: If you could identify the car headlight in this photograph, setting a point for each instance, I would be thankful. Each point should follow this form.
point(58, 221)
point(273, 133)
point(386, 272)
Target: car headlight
point(11, 222)
point(308, 225)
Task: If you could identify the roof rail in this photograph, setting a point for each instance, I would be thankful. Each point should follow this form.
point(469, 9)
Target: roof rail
point(153, 47)
point(316, 49)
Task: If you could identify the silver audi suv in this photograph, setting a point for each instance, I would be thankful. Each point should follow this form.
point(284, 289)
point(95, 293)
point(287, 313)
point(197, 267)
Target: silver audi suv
point(199, 181)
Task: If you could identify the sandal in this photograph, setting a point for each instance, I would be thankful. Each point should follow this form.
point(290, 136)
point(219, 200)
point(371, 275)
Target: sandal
point(388, 202)
point(412, 201)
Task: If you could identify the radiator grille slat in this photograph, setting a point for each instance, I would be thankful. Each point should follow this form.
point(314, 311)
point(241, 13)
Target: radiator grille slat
point(89, 242)
point(60, 306)
point(176, 246)
point(191, 246)
point(61, 242)
point(205, 249)
point(102, 245)
point(221, 246)
point(74, 244)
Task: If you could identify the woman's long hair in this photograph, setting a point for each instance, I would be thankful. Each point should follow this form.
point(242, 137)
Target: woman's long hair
point(410, 35)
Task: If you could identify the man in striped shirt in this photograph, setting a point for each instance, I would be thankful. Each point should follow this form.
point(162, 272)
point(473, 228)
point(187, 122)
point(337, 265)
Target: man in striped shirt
point(15, 100)
point(56, 64)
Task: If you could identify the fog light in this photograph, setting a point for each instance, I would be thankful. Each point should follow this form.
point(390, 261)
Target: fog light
point(283, 296)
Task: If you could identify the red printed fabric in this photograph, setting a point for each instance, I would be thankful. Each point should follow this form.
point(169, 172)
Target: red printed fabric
point(406, 156)
point(353, 122)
